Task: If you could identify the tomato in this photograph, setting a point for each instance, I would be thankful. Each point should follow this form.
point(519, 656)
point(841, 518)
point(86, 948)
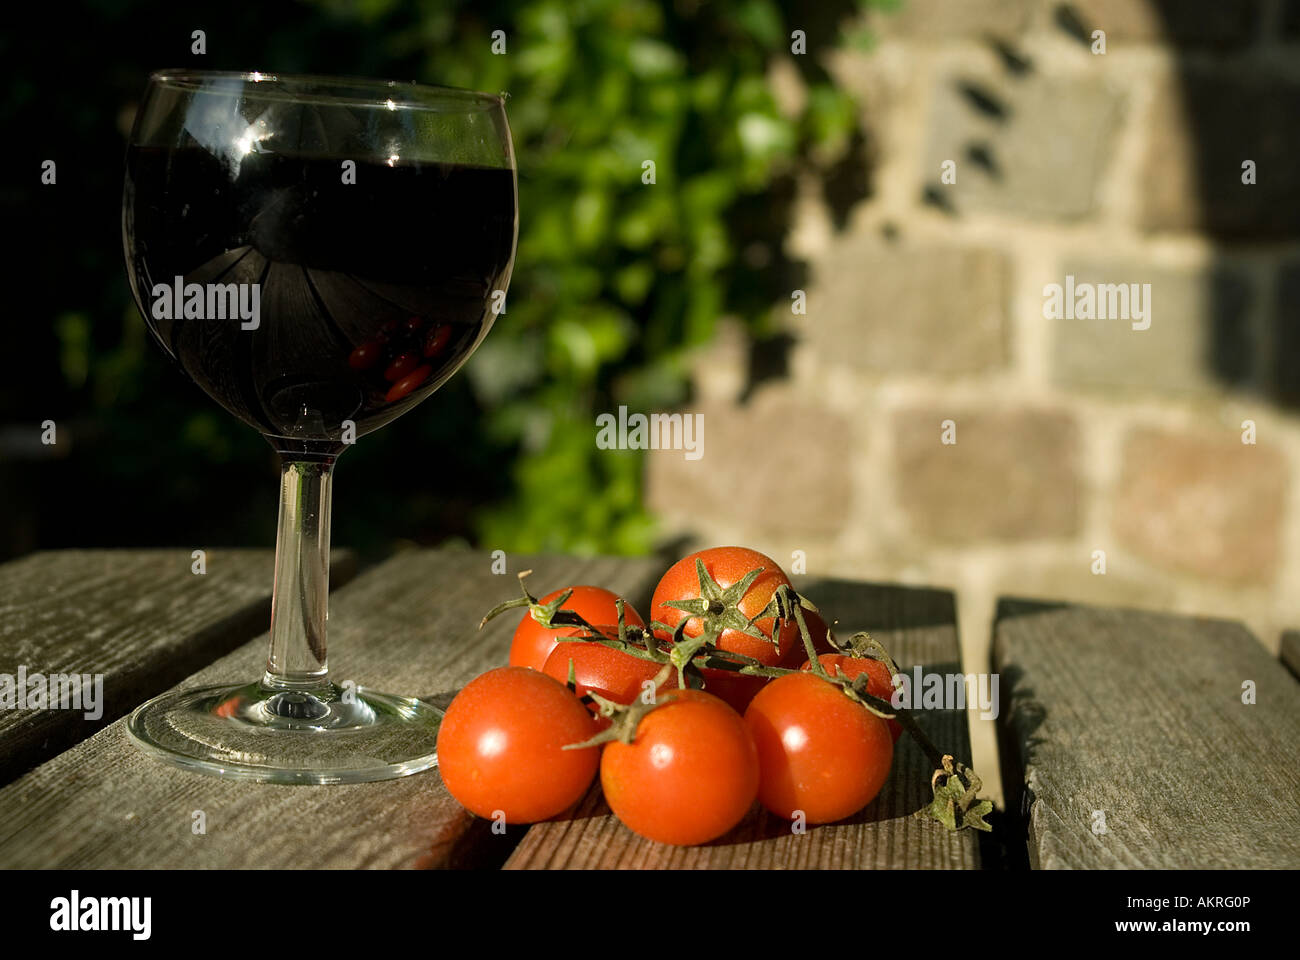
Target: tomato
point(727, 565)
point(408, 383)
point(879, 682)
point(436, 340)
point(819, 752)
point(366, 355)
point(533, 643)
point(734, 689)
point(499, 746)
point(613, 674)
point(737, 689)
point(690, 775)
point(820, 633)
point(386, 332)
point(402, 364)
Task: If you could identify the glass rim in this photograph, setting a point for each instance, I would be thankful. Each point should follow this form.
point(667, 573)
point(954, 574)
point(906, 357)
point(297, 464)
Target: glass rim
point(390, 94)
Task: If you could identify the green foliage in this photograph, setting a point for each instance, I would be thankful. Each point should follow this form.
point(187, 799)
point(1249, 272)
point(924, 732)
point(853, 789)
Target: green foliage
point(616, 280)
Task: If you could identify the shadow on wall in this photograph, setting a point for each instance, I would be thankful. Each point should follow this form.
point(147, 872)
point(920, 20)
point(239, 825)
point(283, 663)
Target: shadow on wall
point(1219, 164)
point(1240, 186)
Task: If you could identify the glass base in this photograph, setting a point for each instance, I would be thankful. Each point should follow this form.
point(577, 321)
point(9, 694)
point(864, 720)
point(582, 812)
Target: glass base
point(254, 732)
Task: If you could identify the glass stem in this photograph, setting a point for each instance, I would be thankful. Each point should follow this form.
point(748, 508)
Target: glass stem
point(299, 605)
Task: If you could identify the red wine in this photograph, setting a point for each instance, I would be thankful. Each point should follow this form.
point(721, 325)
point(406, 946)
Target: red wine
point(371, 293)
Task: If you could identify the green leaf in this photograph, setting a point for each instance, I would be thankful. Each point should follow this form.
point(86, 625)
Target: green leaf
point(976, 814)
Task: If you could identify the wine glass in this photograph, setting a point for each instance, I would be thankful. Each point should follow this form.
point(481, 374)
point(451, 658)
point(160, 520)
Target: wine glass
point(318, 254)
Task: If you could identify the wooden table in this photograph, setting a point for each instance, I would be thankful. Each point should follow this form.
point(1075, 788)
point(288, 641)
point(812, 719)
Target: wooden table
point(1079, 736)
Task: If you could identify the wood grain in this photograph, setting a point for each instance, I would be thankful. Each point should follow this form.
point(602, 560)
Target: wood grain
point(141, 618)
point(407, 626)
point(1139, 716)
point(918, 627)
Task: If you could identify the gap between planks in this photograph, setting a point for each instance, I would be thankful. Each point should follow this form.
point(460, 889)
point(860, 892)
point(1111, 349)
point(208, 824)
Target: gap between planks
point(1134, 721)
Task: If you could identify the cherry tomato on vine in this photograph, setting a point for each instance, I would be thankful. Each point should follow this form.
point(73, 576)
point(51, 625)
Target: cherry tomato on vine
point(820, 633)
point(726, 566)
point(818, 751)
point(615, 675)
point(533, 643)
point(499, 746)
point(879, 682)
point(737, 689)
point(690, 775)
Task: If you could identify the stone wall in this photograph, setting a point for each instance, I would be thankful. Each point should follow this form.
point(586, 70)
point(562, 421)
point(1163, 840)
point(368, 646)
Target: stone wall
point(1072, 435)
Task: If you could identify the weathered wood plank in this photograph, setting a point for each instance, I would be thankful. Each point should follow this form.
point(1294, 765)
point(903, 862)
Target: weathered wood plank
point(1290, 652)
point(918, 627)
point(407, 626)
point(140, 618)
point(1138, 717)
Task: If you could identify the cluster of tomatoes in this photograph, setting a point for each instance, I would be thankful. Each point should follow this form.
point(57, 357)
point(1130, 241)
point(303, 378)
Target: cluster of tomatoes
point(402, 353)
point(678, 764)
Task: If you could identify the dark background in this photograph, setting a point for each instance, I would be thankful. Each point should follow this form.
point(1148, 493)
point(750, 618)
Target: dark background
point(613, 282)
